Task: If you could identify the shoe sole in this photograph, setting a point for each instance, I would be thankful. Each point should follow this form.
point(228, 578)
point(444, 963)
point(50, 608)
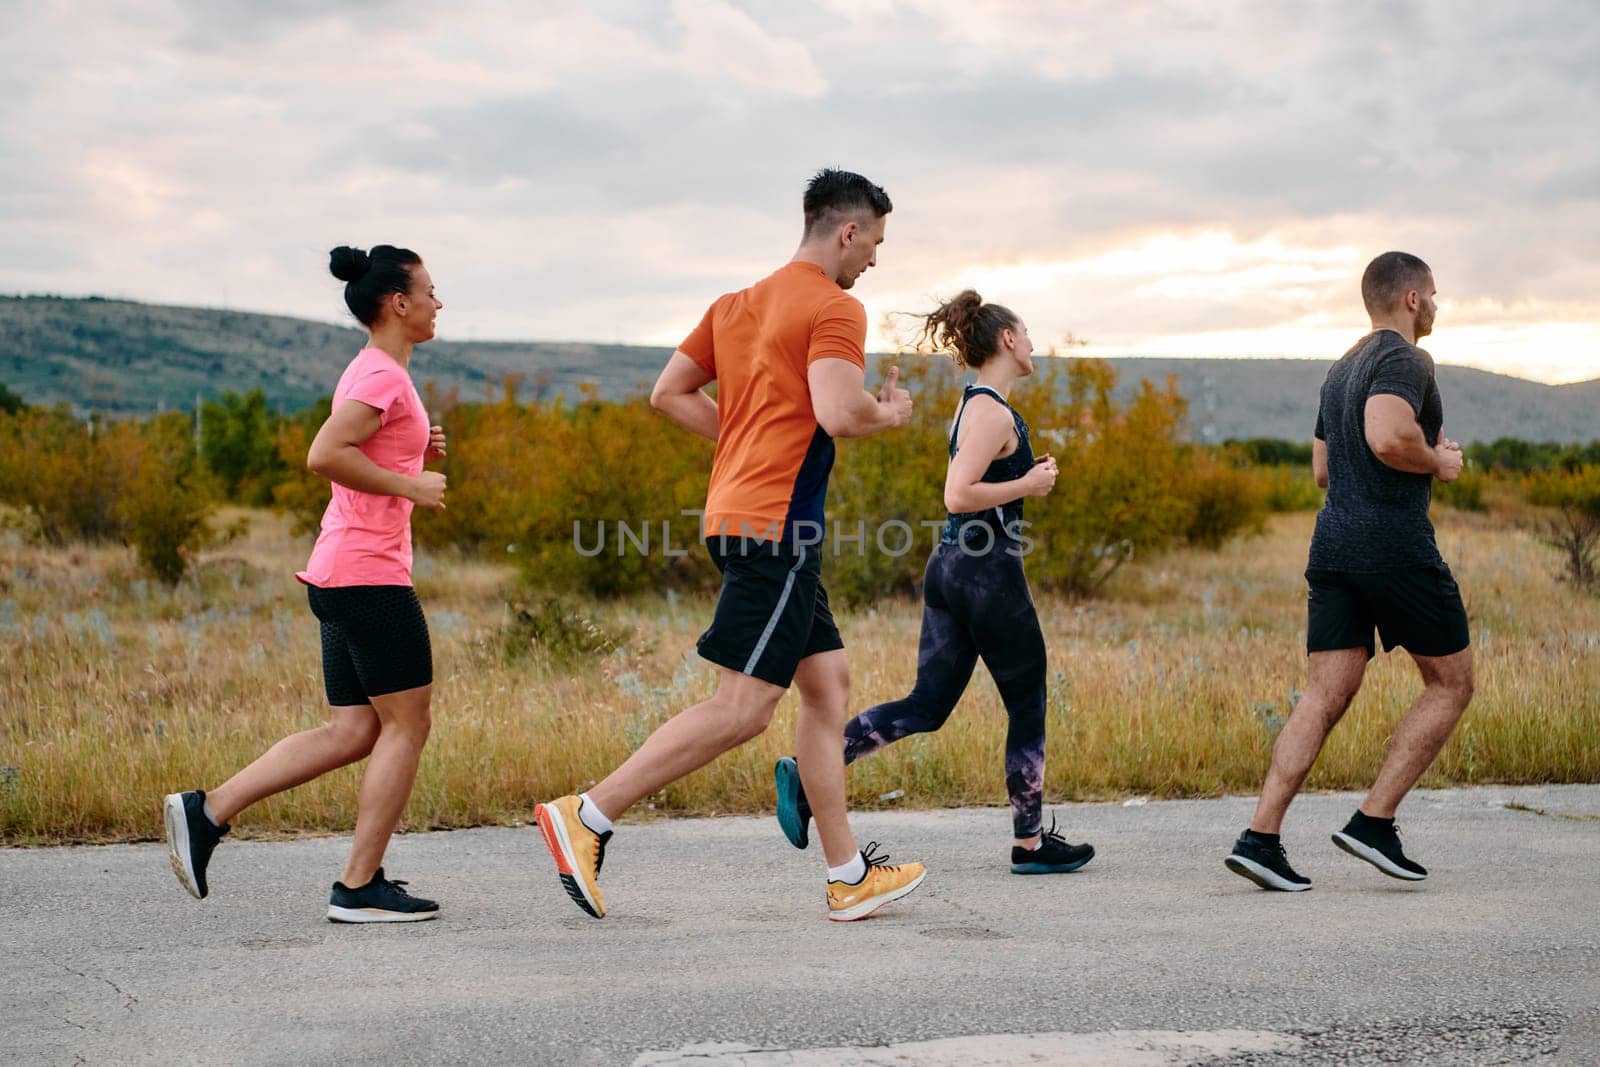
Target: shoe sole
point(375, 915)
point(178, 851)
point(872, 904)
point(786, 779)
point(1261, 876)
point(1376, 858)
point(552, 827)
point(1050, 868)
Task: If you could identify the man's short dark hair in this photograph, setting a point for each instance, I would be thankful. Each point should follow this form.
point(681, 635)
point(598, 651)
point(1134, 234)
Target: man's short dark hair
point(835, 193)
point(1390, 277)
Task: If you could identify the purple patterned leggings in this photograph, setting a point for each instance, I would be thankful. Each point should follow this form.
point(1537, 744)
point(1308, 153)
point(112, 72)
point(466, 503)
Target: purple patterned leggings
point(974, 607)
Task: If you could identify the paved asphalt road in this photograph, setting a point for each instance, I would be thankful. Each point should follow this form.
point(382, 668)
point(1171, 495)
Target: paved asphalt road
point(716, 951)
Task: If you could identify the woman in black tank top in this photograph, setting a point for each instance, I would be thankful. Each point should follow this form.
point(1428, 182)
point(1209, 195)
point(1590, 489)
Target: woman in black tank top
point(976, 603)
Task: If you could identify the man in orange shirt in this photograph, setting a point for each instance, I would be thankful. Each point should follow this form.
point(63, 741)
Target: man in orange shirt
point(788, 356)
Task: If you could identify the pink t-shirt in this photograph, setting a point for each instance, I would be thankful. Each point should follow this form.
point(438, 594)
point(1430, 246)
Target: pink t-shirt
point(366, 537)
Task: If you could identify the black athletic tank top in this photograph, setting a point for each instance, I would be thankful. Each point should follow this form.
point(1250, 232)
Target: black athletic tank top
point(1002, 521)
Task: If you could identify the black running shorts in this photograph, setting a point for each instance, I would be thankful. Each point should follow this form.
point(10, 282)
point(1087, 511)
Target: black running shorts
point(772, 611)
point(1418, 609)
point(374, 641)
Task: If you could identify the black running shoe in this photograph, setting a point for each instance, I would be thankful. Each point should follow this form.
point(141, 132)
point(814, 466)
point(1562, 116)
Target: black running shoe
point(191, 837)
point(794, 814)
point(1053, 856)
point(1379, 844)
point(379, 901)
point(1265, 865)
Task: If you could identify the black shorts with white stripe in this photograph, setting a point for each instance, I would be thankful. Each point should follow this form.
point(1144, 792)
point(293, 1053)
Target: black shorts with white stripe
point(772, 611)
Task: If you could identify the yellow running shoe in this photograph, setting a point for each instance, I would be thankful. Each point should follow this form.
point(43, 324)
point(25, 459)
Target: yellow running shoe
point(882, 884)
point(578, 851)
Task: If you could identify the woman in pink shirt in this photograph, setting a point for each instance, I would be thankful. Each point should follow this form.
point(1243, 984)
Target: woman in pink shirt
point(377, 664)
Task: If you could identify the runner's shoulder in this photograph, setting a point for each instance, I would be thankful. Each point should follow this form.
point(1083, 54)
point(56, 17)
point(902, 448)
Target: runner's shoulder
point(985, 405)
point(834, 303)
point(984, 409)
point(1388, 345)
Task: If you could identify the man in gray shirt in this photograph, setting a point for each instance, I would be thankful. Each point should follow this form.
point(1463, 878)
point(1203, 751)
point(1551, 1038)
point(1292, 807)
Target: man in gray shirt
point(1374, 565)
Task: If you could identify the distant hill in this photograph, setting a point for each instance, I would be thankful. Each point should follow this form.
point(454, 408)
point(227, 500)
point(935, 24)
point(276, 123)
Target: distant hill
point(1278, 398)
point(129, 358)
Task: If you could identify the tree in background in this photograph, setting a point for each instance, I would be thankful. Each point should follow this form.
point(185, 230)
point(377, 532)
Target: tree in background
point(299, 492)
point(1513, 455)
point(1271, 451)
point(140, 483)
point(238, 442)
point(1575, 532)
point(68, 472)
point(1130, 482)
point(164, 506)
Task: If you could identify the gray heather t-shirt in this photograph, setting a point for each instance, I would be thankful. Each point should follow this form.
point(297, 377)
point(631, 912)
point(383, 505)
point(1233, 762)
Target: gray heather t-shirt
point(1375, 517)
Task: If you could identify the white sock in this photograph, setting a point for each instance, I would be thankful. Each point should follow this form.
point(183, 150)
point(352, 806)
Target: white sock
point(851, 872)
point(591, 816)
point(205, 806)
point(1035, 846)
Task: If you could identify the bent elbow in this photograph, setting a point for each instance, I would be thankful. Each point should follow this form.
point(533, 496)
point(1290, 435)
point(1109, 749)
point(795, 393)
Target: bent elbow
point(663, 397)
point(1322, 480)
point(1384, 447)
point(831, 422)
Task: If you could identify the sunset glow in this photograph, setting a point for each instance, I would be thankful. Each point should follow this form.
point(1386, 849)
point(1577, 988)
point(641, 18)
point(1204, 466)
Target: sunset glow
point(1204, 185)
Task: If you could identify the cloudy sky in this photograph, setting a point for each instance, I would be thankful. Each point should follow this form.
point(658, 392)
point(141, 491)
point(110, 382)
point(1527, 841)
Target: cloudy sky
point(1165, 179)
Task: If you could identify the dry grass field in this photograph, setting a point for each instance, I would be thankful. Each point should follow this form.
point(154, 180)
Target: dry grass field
point(115, 690)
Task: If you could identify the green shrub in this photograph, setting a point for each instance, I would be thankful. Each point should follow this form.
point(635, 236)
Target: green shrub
point(1129, 485)
point(1465, 493)
point(303, 495)
point(886, 494)
point(618, 465)
point(1289, 488)
point(164, 507)
point(566, 635)
point(599, 499)
point(1270, 451)
point(1227, 502)
point(103, 480)
point(1516, 456)
point(21, 522)
point(1125, 488)
point(238, 442)
point(67, 472)
point(1575, 530)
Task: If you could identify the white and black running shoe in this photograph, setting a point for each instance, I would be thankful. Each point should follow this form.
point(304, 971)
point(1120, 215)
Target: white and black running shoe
point(1378, 842)
point(1265, 864)
point(379, 901)
point(191, 837)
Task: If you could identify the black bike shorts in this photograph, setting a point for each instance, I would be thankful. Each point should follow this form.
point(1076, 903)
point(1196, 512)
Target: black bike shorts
point(374, 641)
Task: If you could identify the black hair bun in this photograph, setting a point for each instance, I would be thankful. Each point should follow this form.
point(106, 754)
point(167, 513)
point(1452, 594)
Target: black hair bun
point(348, 264)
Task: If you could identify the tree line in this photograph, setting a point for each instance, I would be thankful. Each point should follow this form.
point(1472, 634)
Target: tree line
point(598, 497)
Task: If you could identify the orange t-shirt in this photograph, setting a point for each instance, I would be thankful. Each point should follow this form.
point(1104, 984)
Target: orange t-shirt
point(770, 471)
